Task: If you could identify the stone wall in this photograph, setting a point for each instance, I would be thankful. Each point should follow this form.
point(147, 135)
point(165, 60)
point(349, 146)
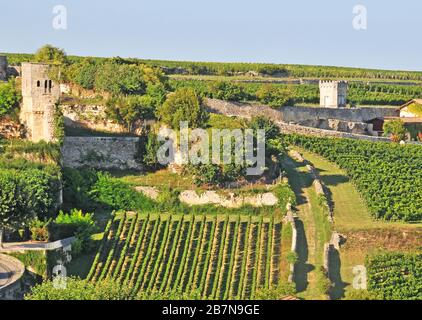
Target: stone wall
point(3, 68)
point(101, 152)
point(349, 122)
point(89, 116)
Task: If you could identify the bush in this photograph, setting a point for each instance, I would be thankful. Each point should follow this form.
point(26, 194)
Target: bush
point(39, 230)
point(77, 289)
point(276, 292)
point(183, 105)
point(292, 257)
point(396, 129)
point(118, 195)
point(9, 97)
point(227, 91)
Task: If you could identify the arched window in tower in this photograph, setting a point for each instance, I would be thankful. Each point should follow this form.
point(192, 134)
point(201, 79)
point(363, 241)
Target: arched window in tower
point(45, 86)
point(50, 85)
point(38, 83)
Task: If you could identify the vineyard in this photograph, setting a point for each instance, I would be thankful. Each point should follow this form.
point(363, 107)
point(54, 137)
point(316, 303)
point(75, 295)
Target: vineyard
point(395, 276)
point(359, 93)
point(388, 176)
point(216, 257)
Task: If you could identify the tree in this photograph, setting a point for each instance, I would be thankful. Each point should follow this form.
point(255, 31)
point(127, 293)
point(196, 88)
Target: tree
point(183, 105)
point(396, 129)
point(225, 90)
point(274, 96)
point(9, 97)
point(24, 195)
point(50, 54)
point(120, 79)
point(83, 74)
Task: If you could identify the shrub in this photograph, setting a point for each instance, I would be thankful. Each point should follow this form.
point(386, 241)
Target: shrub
point(229, 91)
point(396, 129)
point(9, 97)
point(39, 230)
point(118, 195)
point(276, 292)
point(183, 105)
point(77, 289)
point(292, 257)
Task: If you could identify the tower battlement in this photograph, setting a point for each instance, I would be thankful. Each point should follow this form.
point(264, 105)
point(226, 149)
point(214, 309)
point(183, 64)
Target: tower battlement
point(333, 94)
point(40, 94)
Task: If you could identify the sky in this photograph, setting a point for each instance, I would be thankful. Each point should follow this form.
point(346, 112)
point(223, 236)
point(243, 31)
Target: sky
point(315, 32)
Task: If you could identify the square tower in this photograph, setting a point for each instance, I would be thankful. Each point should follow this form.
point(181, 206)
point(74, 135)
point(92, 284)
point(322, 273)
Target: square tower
point(40, 95)
point(333, 94)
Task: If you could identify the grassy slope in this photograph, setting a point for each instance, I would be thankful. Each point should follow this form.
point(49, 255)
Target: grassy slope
point(313, 230)
point(364, 235)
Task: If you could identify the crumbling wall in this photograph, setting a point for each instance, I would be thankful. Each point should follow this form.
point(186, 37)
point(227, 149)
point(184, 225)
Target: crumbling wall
point(101, 153)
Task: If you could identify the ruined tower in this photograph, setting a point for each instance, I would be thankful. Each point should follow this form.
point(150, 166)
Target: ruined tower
point(40, 94)
point(3, 68)
point(333, 94)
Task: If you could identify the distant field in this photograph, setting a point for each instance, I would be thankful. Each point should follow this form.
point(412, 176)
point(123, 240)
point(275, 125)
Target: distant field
point(221, 257)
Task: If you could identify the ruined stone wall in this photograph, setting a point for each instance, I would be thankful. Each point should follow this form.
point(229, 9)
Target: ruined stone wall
point(101, 152)
point(284, 118)
point(89, 116)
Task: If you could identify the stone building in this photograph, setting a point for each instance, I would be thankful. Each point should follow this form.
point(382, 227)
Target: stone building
point(40, 95)
point(333, 94)
point(3, 68)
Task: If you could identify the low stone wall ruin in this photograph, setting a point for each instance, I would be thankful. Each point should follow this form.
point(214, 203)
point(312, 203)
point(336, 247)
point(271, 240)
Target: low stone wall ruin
point(101, 153)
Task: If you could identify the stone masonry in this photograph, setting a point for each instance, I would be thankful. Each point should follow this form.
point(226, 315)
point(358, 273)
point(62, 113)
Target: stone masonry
point(40, 94)
point(333, 94)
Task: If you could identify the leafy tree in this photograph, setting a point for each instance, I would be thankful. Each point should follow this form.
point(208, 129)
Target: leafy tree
point(229, 91)
point(274, 96)
point(120, 79)
point(128, 110)
point(9, 97)
point(396, 129)
point(83, 74)
point(183, 105)
point(50, 54)
point(25, 195)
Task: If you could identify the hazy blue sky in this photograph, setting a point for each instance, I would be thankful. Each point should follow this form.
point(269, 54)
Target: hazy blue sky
point(296, 31)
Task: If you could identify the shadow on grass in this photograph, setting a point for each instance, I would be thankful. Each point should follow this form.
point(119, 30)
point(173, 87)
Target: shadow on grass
point(334, 180)
point(302, 268)
point(297, 180)
point(338, 290)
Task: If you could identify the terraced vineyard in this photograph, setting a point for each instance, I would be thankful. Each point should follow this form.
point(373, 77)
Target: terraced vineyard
point(219, 257)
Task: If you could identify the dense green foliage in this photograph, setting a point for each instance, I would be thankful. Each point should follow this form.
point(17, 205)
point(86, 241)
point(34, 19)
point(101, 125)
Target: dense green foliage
point(224, 68)
point(395, 129)
point(183, 105)
point(77, 289)
point(9, 97)
point(211, 257)
point(281, 94)
point(87, 189)
point(388, 176)
point(25, 195)
point(50, 54)
point(395, 276)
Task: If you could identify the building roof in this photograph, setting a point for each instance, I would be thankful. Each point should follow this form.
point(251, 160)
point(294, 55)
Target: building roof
point(418, 101)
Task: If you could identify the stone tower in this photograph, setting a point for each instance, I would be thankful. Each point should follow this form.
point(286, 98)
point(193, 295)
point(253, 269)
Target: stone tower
point(3, 68)
point(333, 94)
point(40, 94)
